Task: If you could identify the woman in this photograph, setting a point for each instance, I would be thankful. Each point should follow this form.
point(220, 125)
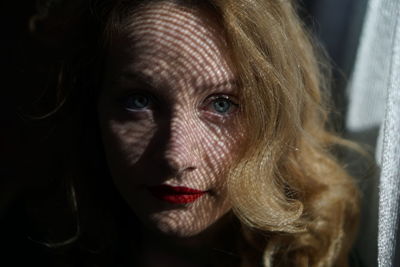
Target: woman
point(212, 122)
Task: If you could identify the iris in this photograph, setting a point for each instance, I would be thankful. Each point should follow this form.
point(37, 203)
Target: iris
point(222, 105)
point(137, 102)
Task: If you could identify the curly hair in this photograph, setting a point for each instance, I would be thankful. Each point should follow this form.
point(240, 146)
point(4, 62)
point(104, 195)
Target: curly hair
point(301, 196)
point(296, 203)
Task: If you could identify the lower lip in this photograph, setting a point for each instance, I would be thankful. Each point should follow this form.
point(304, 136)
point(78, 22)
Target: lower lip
point(175, 194)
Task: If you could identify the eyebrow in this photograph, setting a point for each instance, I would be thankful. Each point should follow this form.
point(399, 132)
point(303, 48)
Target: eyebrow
point(134, 77)
point(141, 78)
point(232, 82)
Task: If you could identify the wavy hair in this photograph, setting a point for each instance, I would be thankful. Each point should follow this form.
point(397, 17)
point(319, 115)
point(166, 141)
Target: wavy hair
point(287, 183)
point(296, 203)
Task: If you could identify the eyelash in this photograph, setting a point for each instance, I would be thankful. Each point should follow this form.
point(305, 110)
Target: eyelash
point(210, 104)
point(127, 102)
point(145, 102)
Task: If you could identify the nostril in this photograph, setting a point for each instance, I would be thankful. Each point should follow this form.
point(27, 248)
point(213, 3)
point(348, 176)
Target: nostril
point(190, 169)
point(179, 171)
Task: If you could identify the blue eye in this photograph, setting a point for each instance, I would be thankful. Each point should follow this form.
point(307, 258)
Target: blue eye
point(222, 105)
point(137, 102)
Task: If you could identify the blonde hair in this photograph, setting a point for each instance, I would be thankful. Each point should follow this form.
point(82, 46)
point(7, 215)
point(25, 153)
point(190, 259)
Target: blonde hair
point(296, 203)
point(287, 185)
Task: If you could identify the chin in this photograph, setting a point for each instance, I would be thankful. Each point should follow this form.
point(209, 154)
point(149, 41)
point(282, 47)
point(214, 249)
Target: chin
point(173, 226)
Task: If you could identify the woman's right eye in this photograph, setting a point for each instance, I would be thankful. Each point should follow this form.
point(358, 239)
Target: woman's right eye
point(136, 102)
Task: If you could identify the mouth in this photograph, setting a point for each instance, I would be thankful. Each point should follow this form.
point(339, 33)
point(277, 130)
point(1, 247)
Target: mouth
point(175, 194)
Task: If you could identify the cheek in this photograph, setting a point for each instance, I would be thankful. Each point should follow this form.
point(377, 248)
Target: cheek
point(219, 152)
point(125, 143)
point(211, 148)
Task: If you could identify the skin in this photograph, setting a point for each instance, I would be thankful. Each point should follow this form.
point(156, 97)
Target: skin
point(168, 114)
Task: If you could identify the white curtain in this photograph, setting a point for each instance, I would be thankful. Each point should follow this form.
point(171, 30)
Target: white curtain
point(374, 117)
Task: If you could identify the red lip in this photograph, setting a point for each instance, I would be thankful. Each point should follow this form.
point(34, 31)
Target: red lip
point(175, 194)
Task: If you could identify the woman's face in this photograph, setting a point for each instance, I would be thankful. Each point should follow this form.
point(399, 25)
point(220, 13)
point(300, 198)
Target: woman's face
point(167, 113)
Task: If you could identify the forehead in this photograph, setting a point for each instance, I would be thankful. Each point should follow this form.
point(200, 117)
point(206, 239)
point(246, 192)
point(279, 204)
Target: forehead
point(167, 41)
point(168, 15)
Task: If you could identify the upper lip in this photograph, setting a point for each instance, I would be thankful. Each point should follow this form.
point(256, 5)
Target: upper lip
point(176, 190)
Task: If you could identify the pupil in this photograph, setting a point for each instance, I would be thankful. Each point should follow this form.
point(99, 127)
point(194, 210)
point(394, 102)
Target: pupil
point(140, 101)
point(221, 106)
point(137, 102)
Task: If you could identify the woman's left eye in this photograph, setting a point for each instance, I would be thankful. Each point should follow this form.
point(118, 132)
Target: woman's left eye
point(220, 104)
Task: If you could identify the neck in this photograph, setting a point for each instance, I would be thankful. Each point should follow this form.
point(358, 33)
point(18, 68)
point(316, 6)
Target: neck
point(213, 245)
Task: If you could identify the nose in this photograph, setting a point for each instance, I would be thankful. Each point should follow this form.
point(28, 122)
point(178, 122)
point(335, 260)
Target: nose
point(182, 151)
